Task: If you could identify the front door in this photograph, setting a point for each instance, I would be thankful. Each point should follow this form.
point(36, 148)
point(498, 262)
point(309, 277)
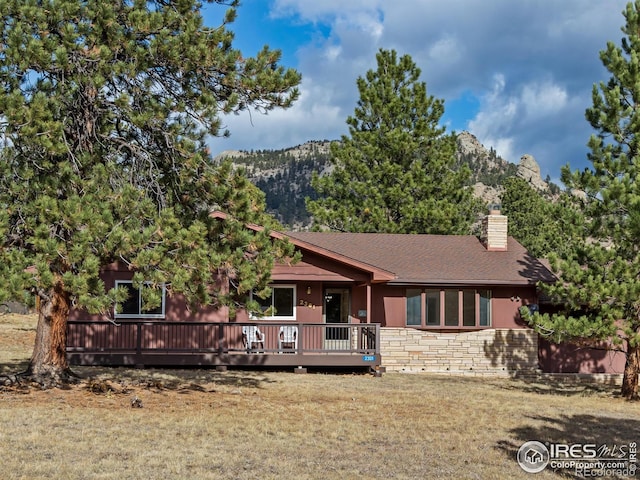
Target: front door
point(336, 311)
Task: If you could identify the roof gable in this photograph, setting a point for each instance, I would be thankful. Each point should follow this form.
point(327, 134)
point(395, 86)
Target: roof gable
point(376, 274)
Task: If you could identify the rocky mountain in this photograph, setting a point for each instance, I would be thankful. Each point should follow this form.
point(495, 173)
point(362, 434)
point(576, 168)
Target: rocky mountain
point(285, 175)
point(489, 170)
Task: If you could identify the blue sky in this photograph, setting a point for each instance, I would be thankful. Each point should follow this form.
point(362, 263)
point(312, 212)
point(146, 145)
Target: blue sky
point(517, 74)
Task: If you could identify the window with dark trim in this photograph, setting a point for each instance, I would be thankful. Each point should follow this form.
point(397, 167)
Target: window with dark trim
point(132, 307)
point(414, 307)
point(432, 314)
point(461, 308)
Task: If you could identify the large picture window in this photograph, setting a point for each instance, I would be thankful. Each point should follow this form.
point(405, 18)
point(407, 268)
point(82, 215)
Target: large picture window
point(459, 308)
point(280, 305)
point(132, 307)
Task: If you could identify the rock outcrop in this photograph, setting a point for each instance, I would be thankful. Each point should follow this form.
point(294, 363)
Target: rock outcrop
point(529, 170)
point(468, 144)
point(487, 194)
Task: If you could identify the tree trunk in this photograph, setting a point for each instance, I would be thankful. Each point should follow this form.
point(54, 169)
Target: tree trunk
point(48, 365)
point(631, 371)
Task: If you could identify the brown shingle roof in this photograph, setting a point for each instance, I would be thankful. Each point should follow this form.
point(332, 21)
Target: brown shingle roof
point(433, 259)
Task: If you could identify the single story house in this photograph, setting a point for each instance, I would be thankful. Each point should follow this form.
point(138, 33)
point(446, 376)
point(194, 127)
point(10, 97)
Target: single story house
point(414, 303)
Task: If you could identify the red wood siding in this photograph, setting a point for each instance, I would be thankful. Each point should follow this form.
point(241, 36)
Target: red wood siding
point(505, 305)
point(176, 308)
point(571, 358)
point(390, 305)
point(316, 268)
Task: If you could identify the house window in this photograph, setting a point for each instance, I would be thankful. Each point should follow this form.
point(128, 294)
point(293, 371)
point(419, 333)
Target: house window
point(280, 305)
point(451, 308)
point(132, 307)
point(433, 307)
point(485, 308)
point(469, 308)
point(414, 307)
point(464, 308)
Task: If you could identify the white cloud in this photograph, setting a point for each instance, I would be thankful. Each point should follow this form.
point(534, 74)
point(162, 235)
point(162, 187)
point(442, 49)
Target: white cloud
point(446, 50)
point(497, 112)
point(542, 99)
point(327, 10)
point(546, 54)
point(508, 114)
point(333, 53)
point(311, 118)
point(365, 22)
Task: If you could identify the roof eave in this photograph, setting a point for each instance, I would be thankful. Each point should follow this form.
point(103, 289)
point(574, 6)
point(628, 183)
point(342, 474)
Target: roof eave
point(450, 282)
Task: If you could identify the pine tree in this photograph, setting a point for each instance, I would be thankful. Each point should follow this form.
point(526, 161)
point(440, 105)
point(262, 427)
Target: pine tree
point(106, 107)
point(395, 172)
point(541, 225)
point(599, 285)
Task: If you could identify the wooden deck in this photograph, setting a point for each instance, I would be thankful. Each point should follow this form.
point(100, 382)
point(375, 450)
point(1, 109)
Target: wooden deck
point(204, 344)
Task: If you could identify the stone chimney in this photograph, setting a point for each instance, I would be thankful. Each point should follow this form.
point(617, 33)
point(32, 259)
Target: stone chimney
point(494, 230)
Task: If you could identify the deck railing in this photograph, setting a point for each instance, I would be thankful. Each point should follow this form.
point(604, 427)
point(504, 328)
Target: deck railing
point(145, 336)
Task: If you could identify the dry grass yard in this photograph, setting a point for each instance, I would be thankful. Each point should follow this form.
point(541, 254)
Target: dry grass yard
point(203, 424)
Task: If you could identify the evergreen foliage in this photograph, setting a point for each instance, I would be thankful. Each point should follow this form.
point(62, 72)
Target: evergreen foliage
point(286, 185)
point(599, 287)
point(541, 225)
point(285, 179)
point(106, 107)
point(285, 194)
point(395, 172)
point(491, 170)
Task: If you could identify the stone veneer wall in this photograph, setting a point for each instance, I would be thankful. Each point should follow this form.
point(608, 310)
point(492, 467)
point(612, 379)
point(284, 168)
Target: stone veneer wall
point(503, 352)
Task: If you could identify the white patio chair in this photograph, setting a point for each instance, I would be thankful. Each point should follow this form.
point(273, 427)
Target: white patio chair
point(251, 335)
point(288, 338)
